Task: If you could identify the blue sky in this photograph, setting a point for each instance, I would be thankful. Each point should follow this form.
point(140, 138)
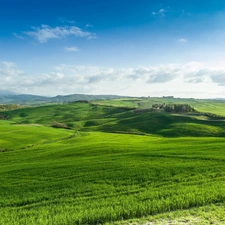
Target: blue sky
point(124, 47)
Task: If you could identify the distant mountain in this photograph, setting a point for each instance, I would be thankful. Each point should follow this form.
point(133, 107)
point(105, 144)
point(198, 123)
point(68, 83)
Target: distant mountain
point(7, 93)
point(79, 97)
point(7, 97)
point(23, 99)
point(219, 99)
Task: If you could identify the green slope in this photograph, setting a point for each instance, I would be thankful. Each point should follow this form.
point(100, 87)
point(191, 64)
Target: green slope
point(89, 117)
point(24, 136)
point(96, 177)
point(98, 171)
point(202, 105)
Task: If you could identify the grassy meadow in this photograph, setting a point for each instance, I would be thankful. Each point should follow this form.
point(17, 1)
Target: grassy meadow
point(110, 164)
point(201, 105)
point(82, 116)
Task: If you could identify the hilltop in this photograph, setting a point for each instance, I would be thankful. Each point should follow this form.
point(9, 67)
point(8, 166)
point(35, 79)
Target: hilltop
point(171, 121)
point(8, 97)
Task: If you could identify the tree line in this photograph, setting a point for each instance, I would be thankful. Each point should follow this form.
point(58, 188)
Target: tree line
point(173, 107)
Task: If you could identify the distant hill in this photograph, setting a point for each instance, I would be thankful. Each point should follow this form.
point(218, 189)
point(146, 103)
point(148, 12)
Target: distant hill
point(8, 97)
point(79, 97)
point(22, 99)
point(7, 93)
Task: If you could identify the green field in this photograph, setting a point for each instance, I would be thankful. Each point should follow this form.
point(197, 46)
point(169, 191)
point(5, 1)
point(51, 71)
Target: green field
point(89, 117)
point(202, 105)
point(110, 165)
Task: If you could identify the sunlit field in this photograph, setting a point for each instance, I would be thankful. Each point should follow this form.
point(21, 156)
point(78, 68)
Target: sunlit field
point(108, 166)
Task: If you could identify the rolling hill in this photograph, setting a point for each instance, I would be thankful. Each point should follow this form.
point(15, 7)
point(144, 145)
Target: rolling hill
point(8, 97)
point(110, 161)
point(85, 116)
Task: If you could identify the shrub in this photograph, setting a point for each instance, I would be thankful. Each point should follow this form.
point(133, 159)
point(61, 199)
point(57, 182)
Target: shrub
point(60, 125)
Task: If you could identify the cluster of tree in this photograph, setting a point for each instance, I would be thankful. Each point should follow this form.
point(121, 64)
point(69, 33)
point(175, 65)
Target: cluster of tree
point(173, 107)
point(115, 106)
point(82, 101)
point(2, 117)
point(9, 107)
point(168, 96)
point(213, 115)
point(140, 110)
point(167, 108)
point(60, 125)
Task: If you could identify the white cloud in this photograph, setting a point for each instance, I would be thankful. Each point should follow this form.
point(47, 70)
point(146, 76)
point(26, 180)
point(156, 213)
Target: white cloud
point(9, 69)
point(10, 75)
point(45, 33)
point(190, 80)
point(160, 13)
point(157, 74)
point(161, 78)
point(71, 49)
point(88, 25)
point(17, 36)
point(218, 77)
point(64, 20)
point(183, 40)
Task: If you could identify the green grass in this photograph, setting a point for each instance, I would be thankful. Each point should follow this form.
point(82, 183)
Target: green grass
point(202, 105)
point(95, 178)
point(206, 215)
point(100, 172)
point(88, 117)
point(15, 136)
point(124, 102)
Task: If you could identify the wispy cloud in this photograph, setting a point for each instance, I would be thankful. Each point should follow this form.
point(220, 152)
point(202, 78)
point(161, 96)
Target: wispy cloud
point(157, 74)
point(88, 25)
point(71, 49)
point(65, 79)
point(161, 78)
point(218, 77)
point(17, 36)
point(64, 20)
point(182, 40)
point(45, 33)
point(160, 13)
point(10, 75)
point(9, 69)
